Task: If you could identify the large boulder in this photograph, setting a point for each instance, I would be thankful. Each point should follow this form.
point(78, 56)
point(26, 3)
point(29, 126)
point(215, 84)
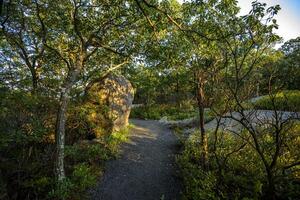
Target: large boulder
point(115, 94)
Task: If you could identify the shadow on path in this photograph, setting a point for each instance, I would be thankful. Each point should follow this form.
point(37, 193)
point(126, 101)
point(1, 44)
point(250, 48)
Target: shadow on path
point(146, 169)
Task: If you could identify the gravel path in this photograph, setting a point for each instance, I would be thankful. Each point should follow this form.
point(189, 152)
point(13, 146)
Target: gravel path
point(146, 169)
point(256, 117)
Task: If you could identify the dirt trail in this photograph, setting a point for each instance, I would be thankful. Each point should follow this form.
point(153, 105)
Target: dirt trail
point(146, 170)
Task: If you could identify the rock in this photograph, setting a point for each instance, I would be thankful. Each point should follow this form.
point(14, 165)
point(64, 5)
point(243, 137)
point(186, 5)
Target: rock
point(115, 94)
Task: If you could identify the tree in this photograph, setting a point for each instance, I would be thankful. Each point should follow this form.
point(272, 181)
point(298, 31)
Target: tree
point(79, 33)
point(291, 47)
point(20, 33)
point(289, 66)
point(203, 29)
point(245, 53)
point(200, 27)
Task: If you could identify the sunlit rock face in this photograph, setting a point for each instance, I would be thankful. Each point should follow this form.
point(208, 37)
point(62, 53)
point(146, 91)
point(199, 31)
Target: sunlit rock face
point(114, 94)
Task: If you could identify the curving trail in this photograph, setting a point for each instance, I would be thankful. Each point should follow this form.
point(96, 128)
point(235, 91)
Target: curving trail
point(146, 170)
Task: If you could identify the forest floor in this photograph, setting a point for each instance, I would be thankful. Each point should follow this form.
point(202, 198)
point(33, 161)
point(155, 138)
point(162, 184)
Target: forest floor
point(146, 168)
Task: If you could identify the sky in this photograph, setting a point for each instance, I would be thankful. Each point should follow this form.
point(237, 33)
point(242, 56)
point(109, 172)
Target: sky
point(288, 17)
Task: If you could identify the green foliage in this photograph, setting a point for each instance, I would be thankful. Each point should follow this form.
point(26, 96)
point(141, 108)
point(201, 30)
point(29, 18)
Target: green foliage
point(284, 64)
point(26, 143)
point(27, 147)
point(286, 101)
point(85, 162)
point(289, 67)
point(87, 121)
point(22, 115)
point(83, 176)
point(115, 139)
point(92, 153)
point(48, 47)
point(236, 171)
point(95, 152)
point(156, 85)
point(172, 112)
point(198, 184)
point(62, 190)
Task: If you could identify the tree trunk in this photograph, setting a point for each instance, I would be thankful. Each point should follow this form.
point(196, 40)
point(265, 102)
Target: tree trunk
point(177, 91)
point(60, 123)
point(60, 135)
point(34, 81)
point(34, 74)
point(200, 100)
point(270, 193)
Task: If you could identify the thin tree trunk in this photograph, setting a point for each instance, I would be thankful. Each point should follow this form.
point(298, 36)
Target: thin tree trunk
point(34, 81)
point(270, 193)
point(204, 141)
point(177, 91)
point(60, 136)
point(60, 123)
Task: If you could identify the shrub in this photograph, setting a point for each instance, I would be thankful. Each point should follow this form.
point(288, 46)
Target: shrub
point(87, 121)
point(27, 147)
point(156, 112)
point(115, 139)
point(285, 100)
point(62, 190)
point(236, 170)
point(26, 128)
point(92, 153)
point(198, 183)
point(83, 177)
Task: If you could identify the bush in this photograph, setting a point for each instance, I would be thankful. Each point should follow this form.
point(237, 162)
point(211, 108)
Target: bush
point(285, 101)
point(27, 147)
point(62, 190)
point(83, 176)
point(26, 128)
point(198, 184)
point(91, 153)
point(156, 112)
point(236, 171)
point(87, 121)
point(115, 139)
